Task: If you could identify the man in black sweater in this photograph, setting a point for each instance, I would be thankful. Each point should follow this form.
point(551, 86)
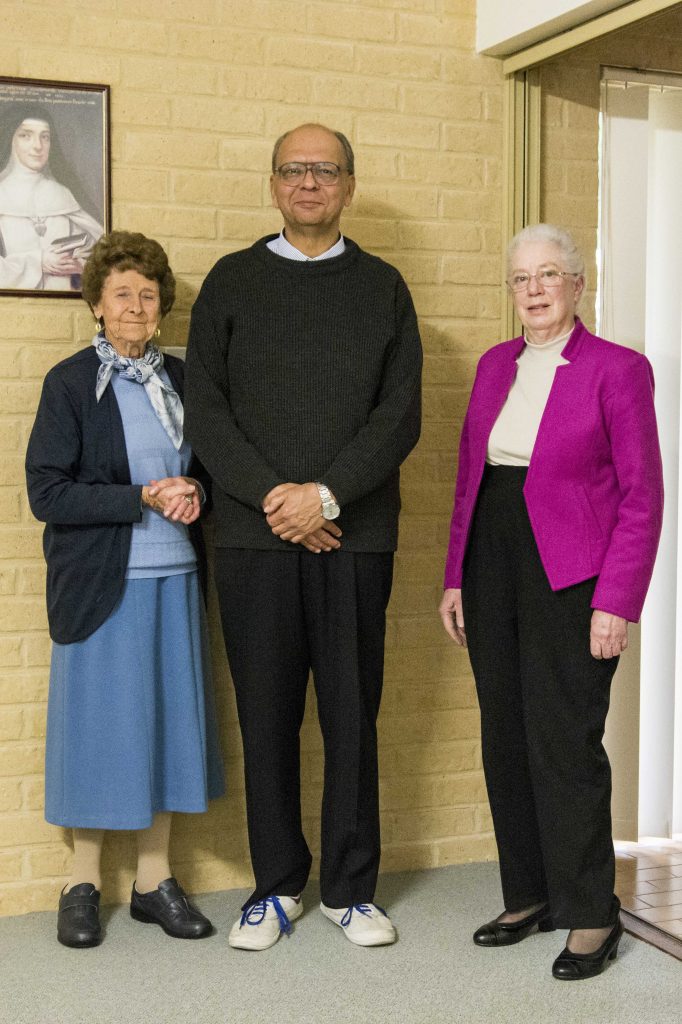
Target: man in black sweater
point(302, 399)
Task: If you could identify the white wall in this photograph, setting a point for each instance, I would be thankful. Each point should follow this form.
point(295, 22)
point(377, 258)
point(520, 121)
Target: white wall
point(623, 215)
point(641, 300)
point(661, 637)
point(622, 318)
point(503, 27)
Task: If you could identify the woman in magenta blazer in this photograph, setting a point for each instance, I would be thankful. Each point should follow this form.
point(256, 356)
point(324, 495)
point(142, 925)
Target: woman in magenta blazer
point(557, 516)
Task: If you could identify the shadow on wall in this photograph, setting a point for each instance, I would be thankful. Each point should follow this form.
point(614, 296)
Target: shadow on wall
point(176, 325)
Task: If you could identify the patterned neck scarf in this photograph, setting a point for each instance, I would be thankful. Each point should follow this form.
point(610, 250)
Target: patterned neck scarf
point(165, 402)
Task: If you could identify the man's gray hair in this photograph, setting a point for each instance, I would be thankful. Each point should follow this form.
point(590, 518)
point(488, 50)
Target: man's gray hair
point(345, 145)
point(552, 235)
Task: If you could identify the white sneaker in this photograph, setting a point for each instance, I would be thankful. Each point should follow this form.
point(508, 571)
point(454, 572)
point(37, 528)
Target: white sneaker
point(263, 922)
point(365, 924)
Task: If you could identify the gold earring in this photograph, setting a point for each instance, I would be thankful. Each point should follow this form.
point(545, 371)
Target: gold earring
point(157, 332)
point(99, 323)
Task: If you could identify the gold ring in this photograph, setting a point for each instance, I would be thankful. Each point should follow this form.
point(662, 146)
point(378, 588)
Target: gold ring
point(188, 499)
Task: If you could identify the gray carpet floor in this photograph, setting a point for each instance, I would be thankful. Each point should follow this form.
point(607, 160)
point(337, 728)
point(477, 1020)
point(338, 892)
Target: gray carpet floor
point(433, 975)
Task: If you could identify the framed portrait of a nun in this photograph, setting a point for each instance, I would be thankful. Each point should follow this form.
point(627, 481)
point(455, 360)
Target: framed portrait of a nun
point(55, 199)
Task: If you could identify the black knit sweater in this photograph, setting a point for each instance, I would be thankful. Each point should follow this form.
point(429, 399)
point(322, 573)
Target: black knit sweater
point(303, 371)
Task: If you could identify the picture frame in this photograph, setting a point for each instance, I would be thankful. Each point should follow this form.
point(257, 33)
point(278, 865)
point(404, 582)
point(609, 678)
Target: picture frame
point(55, 173)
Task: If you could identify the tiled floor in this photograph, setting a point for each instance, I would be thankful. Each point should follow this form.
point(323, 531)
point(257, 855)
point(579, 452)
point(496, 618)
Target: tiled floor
point(649, 882)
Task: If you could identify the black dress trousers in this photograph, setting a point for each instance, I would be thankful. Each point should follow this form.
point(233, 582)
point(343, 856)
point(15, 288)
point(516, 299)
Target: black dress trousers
point(283, 614)
point(543, 701)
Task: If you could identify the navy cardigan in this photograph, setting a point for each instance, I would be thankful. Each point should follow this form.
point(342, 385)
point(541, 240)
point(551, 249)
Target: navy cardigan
point(79, 485)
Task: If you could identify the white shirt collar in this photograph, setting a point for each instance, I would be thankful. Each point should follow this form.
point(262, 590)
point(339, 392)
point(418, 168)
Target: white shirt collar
point(282, 247)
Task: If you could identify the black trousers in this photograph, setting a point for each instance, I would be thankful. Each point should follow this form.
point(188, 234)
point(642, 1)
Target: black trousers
point(283, 614)
point(543, 701)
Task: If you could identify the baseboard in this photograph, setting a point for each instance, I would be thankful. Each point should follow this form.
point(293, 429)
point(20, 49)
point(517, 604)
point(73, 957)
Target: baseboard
point(651, 934)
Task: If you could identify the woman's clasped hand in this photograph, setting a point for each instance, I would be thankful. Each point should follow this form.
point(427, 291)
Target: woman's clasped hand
point(175, 497)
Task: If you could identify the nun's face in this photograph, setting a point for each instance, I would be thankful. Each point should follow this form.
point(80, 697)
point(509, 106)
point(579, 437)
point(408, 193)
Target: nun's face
point(31, 144)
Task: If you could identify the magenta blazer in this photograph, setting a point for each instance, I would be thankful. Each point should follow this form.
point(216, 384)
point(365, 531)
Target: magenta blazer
point(594, 489)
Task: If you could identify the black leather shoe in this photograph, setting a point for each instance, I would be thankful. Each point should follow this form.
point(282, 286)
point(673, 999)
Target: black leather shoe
point(78, 917)
point(168, 906)
point(506, 933)
point(570, 966)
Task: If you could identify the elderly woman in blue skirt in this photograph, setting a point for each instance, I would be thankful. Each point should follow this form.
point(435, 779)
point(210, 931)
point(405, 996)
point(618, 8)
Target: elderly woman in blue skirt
point(131, 732)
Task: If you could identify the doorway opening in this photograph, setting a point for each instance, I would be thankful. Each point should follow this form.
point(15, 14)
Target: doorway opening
point(639, 304)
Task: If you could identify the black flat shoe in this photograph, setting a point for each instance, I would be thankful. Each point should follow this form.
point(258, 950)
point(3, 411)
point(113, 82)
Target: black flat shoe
point(506, 933)
point(168, 906)
point(78, 916)
point(570, 966)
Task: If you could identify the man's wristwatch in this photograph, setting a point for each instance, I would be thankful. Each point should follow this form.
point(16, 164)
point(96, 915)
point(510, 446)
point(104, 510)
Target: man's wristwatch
point(330, 510)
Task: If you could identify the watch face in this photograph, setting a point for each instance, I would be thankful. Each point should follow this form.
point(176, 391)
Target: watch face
point(330, 510)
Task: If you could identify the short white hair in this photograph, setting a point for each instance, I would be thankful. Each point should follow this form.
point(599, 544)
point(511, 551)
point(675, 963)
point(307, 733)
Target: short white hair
point(571, 256)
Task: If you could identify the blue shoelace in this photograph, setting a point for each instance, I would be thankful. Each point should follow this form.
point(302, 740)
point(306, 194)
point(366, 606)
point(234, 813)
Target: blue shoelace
point(362, 908)
point(255, 914)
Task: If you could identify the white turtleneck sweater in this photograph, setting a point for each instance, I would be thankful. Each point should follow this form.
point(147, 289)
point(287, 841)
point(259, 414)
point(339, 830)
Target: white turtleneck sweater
point(513, 436)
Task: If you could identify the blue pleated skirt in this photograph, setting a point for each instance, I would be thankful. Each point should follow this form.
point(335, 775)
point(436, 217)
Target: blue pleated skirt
point(131, 726)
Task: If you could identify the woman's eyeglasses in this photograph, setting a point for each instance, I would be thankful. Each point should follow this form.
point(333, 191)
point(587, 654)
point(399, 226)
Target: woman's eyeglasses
point(545, 278)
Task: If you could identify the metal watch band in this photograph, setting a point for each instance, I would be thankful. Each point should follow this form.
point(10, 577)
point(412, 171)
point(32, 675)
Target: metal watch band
point(330, 508)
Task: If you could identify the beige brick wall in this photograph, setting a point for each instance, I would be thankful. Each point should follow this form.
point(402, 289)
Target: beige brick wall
point(199, 92)
point(570, 125)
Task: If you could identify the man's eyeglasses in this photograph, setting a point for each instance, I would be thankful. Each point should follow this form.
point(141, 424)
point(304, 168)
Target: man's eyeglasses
point(323, 172)
point(545, 278)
